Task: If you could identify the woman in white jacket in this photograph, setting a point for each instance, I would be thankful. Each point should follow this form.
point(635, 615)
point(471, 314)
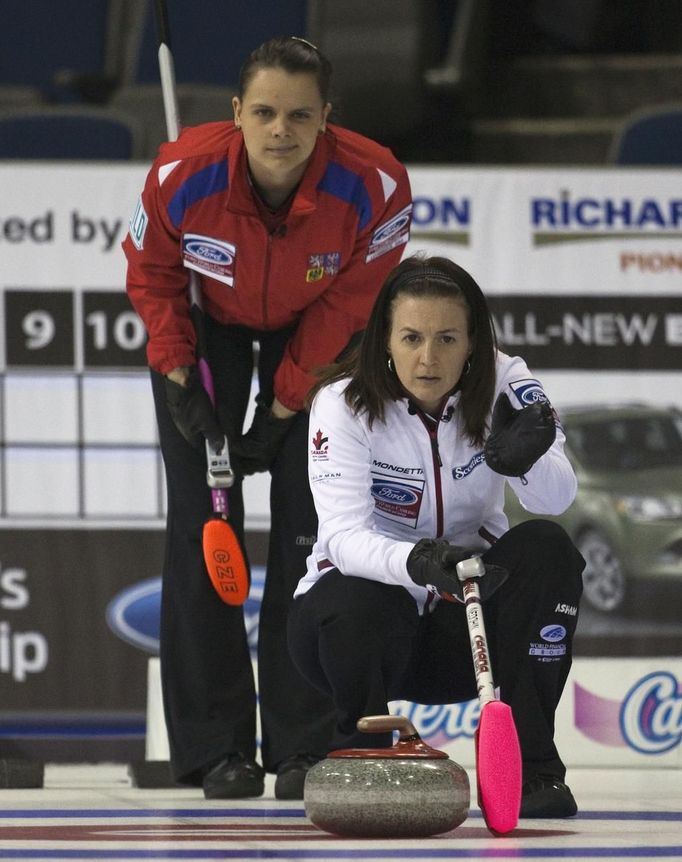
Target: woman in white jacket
point(412, 440)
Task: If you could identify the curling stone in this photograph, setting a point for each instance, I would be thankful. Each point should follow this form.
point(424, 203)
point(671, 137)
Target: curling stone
point(409, 790)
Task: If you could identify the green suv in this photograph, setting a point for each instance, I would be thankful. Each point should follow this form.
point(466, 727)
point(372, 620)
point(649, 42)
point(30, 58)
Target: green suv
point(627, 516)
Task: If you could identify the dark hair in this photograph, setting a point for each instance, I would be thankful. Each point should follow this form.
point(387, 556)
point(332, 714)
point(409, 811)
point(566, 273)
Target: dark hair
point(292, 54)
point(372, 384)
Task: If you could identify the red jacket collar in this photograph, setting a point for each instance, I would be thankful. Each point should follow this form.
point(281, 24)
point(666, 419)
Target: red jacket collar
point(239, 195)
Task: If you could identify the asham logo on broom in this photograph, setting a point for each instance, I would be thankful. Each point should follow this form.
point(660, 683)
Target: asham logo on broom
point(566, 218)
point(648, 719)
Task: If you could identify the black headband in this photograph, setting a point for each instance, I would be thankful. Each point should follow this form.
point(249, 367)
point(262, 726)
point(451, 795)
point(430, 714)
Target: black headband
point(426, 273)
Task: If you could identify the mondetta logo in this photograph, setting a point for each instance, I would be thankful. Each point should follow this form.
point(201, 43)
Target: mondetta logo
point(569, 219)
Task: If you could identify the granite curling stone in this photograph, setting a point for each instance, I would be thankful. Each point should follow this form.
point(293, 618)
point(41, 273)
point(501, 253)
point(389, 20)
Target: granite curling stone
point(408, 791)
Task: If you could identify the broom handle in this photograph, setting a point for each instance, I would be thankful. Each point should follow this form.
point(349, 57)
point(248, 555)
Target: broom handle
point(220, 474)
point(476, 625)
point(170, 106)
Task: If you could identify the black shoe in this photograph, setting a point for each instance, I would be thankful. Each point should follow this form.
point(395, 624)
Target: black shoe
point(234, 777)
point(547, 796)
point(291, 775)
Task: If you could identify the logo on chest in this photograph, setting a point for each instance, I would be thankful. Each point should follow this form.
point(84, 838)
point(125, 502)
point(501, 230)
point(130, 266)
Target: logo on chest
point(397, 499)
point(212, 257)
point(320, 265)
point(462, 471)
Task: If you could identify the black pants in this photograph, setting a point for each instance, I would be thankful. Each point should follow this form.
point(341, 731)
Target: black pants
point(207, 679)
point(364, 643)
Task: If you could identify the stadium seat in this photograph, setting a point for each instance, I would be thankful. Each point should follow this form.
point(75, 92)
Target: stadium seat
point(71, 132)
point(651, 136)
point(209, 40)
point(65, 51)
point(209, 43)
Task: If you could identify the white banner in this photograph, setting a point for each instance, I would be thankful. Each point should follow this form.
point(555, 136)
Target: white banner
point(582, 267)
point(614, 712)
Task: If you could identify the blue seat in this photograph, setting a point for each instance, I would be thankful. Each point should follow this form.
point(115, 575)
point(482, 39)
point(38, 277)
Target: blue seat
point(209, 40)
point(47, 49)
point(652, 136)
point(74, 133)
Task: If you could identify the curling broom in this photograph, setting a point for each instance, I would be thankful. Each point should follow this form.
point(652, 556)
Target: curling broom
point(498, 754)
point(223, 554)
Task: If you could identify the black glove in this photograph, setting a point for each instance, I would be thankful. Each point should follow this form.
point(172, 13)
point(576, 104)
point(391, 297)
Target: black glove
point(192, 411)
point(433, 562)
point(257, 449)
point(518, 437)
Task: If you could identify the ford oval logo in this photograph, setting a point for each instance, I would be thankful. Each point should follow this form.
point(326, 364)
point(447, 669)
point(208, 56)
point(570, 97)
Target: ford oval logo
point(391, 227)
point(134, 615)
point(209, 251)
point(390, 493)
point(552, 634)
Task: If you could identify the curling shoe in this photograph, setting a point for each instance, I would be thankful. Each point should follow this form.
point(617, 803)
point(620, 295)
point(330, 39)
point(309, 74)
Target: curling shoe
point(547, 796)
point(291, 775)
point(234, 777)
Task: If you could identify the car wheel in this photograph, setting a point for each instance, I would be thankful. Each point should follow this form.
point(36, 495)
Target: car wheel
point(604, 585)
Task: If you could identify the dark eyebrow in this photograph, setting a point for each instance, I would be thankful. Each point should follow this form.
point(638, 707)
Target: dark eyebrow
point(439, 332)
point(270, 108)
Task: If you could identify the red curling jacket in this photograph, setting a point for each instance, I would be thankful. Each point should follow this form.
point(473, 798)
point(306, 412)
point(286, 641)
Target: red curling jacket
point(345, 230)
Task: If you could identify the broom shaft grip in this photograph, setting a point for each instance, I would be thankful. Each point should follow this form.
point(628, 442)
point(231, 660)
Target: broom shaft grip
point(478, 641)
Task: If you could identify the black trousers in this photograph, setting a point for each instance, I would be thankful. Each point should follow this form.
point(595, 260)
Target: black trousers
point(207, 679)
point(364, 643)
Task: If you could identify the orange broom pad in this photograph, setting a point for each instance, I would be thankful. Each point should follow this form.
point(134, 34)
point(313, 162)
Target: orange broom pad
point(225, 561)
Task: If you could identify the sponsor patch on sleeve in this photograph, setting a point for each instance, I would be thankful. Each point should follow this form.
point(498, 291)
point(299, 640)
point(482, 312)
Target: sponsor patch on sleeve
point(320, 447)
point(528, 392)
point(138, 225)
point(389, 235)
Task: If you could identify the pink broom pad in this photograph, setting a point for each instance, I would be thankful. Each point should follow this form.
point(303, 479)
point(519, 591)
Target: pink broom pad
point(498, 767)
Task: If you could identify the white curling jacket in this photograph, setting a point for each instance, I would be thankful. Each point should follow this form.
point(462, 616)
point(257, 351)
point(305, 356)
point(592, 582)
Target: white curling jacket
point(378, 492)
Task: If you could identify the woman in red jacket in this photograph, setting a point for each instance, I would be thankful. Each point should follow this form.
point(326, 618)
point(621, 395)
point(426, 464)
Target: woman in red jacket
point(292, 224)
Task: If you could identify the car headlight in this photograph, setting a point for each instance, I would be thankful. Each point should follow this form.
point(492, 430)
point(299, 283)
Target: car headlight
point(650, 508)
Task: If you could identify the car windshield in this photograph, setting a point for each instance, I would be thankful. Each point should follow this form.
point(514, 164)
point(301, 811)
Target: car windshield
point(624, 443)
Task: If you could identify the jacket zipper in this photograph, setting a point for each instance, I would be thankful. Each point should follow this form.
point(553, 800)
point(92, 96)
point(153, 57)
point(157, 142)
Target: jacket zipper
point(432, 431)
point(266, 279)
point(437, 465)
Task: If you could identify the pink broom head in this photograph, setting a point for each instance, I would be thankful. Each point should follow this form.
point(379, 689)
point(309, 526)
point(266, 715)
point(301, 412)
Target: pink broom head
point(498, 767)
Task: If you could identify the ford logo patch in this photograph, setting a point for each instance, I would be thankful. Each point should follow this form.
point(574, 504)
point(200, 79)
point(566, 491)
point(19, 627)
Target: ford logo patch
point(209, 250)
point(393, 226)
point(397, 494)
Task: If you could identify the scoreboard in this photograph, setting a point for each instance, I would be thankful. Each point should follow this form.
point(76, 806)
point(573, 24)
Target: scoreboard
point(58, 328)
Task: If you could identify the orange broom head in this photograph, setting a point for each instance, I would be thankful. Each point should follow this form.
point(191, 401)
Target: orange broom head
point(225, 562)
point(498, 767)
